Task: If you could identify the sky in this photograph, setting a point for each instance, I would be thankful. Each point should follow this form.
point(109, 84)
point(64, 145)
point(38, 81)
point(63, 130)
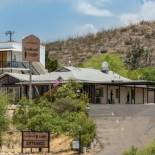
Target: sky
point(60, 19)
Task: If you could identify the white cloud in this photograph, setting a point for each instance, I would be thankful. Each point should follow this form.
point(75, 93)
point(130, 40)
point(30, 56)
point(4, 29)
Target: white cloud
point(86, 29)
point(145, 12)
point(91, 10)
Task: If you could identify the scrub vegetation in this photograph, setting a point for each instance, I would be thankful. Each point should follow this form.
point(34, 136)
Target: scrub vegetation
point(4, 121)
point(148, 150)
point(118, 65)
point(117, 40)
point(51, 64)
point(62, 113)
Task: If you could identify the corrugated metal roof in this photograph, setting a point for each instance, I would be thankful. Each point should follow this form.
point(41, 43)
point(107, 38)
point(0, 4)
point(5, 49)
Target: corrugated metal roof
point(79, 74)
point(94, 75)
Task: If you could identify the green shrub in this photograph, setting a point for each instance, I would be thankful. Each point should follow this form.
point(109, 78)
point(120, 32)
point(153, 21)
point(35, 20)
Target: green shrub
point(148, 150)
point(132, 151)
point(4, 121)
point(117, 65)
point(63, 115)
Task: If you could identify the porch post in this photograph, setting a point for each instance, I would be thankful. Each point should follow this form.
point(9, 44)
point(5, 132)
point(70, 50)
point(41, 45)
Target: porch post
point(134, 94)
point(11, 61)
point(154, 95)
point(147, 95)
point(20, 92)
point(143, 96)
point(94, 93)
point(131, 98)
point(49, 87)
point(119, 95)
point(107, 93)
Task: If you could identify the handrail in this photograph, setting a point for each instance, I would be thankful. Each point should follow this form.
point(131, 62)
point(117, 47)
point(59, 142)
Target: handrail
point(17, 64)
point(13, 64)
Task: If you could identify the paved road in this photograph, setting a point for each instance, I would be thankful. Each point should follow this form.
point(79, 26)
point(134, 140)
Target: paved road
point(121, 126)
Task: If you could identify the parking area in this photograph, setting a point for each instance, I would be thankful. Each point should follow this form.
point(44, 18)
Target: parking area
point(121, 126)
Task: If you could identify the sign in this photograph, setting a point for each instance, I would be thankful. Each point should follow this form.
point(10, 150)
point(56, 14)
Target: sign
point(31, 48)
point(75, 145)
point(35, 139)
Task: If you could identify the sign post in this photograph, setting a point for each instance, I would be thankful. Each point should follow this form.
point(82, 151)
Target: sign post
point(35, 140)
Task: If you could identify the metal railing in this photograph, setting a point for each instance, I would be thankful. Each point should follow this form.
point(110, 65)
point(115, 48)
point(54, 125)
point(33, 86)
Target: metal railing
point(14, 64)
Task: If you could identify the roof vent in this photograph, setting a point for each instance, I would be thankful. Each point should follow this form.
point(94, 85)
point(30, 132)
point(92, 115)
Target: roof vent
point(105, 67)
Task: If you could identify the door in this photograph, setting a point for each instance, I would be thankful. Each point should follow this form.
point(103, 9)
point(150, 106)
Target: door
point(3, 59)
point(98, 95)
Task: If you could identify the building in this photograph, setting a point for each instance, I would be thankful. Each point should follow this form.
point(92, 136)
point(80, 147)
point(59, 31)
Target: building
point(22, 67)
point(103, 86)
point(13, 56)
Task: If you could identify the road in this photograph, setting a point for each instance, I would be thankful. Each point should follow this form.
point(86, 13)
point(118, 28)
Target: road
point(121, 126)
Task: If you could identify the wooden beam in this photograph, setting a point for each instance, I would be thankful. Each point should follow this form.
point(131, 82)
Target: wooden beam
point(134, 94)
point(154, 96)
point(11, 61)
point(107, 94)
point(143, 96)
point(94, 93)
point(119, 94)
point(147, 95)
point(50, 89)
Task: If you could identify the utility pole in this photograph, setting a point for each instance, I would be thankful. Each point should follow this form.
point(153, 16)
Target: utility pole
point(30, 80)
point(10, 34)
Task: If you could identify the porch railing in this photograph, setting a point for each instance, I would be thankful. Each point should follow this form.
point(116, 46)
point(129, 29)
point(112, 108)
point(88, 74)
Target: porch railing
point(16, 64)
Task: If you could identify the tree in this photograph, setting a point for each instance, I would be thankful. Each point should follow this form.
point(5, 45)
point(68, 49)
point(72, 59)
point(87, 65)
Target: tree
point(70, 98)
point(71, 104)
point(51, 64)
point(138, 56)
point(33, 115)
point(61, 115)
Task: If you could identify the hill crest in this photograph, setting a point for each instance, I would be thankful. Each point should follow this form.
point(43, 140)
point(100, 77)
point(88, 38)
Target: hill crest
point(119, 41)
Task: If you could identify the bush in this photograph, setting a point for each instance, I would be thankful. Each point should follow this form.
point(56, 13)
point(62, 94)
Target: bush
point(51, 64)
point(138, 56)
point(132, 151)
point(63, 115)
point(4, 122)
point(148, 150)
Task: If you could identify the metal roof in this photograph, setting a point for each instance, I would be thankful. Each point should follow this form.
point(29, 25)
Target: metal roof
point(86, 75)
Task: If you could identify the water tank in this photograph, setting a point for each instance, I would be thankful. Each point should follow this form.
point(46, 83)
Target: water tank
point(105, 67)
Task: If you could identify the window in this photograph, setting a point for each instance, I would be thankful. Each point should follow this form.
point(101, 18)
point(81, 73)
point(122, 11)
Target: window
point(14, 58)
point(99, 92)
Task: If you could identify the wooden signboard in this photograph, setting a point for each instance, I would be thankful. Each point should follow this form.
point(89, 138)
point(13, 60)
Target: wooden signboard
point(31, 48)
point(35, 140)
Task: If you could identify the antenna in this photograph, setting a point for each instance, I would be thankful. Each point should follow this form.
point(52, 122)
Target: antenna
point(10, 34)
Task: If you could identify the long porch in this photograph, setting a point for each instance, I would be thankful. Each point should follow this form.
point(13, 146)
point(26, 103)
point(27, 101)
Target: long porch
point(131, 92)
point(121, 93)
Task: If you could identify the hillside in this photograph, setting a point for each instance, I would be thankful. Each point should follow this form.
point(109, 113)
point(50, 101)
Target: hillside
point(112, 41)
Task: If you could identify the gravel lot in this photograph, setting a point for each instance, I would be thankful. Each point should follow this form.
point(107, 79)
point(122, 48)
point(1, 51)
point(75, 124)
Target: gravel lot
point(121, 126)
